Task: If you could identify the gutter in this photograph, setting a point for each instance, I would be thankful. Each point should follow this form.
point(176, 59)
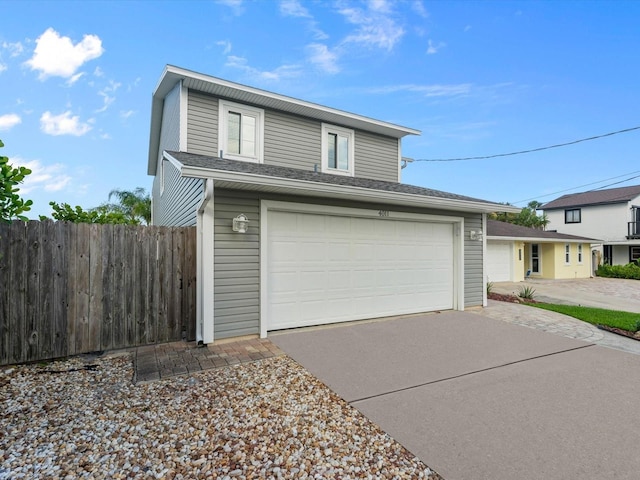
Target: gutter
point(354, 193)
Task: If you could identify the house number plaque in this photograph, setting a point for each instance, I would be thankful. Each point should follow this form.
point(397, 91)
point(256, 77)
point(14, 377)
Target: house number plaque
point(383, 213)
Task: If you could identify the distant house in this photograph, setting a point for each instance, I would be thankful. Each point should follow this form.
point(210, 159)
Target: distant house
point(515, 252)
point(612, 215)
point(301, 216)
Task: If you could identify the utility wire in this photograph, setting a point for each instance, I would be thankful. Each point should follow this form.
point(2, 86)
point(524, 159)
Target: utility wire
point(585, 185)
point(527, 151)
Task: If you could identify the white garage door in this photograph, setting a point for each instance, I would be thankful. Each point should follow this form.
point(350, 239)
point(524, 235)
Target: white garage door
point(329, 268)
point(499, 262)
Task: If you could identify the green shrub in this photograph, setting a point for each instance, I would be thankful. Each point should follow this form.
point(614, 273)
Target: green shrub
point(631, 270)
point(527, 293)
point(489, 288)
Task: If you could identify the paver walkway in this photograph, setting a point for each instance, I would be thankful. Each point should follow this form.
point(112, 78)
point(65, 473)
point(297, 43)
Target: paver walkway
point(154, 362)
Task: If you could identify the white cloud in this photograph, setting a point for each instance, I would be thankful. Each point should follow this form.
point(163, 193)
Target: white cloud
point(227, 46)
point(3, 67)
point(321, 56)
point(235, 5)
point(57, 56)
point(73, 79)
point(107, 95)
point(127, 114)
point(50, 178)
point(98, 72)
point(284, 71)
point(64, 124)
point(428, 90)
point(293, 8)
point(15, 49)
point(9, 120)
point(418, 7)
point(375, 26)
point(433, 48)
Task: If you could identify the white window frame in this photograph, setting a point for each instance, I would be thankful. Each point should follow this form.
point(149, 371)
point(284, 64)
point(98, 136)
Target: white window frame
point(567, 254)
point(326, 130)
point(580, 257)
point(224, 107)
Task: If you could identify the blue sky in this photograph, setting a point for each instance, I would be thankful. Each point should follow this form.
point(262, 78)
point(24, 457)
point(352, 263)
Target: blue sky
point(477, 78)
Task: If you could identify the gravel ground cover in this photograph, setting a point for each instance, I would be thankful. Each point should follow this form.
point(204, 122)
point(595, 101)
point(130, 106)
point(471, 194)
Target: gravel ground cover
point(85, 418)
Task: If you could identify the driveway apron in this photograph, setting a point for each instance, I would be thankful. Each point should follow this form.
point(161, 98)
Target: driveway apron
point(478, 398)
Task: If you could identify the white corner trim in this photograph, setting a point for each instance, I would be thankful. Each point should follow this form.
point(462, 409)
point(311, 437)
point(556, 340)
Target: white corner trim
point(205, 265)
point(264, 316)
point(184, 111)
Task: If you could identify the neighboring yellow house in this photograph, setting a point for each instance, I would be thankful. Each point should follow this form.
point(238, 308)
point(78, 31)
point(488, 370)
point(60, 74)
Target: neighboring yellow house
point(514, 253)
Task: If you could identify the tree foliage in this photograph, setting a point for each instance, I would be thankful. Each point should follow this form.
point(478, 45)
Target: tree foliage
point(135, 204)
point(132, 208)
point(66, 213)
point(528, 217)
point(12, 206)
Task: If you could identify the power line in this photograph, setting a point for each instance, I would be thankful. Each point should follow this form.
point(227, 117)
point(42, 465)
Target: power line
point(585, 185)
point(527, 151)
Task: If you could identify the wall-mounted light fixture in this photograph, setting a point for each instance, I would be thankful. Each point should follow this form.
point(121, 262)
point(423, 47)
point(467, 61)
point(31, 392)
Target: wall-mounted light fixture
point(240, 223)
point(475, 235)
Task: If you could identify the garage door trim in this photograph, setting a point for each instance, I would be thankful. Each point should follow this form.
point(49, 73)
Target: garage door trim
point(269, 205)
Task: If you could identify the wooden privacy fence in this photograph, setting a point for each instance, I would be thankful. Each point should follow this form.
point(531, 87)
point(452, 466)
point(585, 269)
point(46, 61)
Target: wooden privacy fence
point(69, 288)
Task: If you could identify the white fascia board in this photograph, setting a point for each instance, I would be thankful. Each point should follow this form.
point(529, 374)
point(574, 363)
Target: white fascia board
point(539, 240)
point(302, 187)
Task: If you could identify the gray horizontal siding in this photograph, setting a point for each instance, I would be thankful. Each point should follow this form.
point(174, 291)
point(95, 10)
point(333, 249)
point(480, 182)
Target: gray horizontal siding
point(202, 124)
point(291, 141)
point(376, 157)
point(236, 266)
point(175, 204)
point(180, 199)
point(237, 257)
point(473, 265)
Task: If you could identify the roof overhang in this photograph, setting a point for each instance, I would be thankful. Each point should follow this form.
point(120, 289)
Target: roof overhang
point(171, 76)
point(590, 241)
point(288, 186)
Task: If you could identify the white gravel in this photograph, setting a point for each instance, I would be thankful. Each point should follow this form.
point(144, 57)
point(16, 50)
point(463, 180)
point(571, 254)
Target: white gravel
point(84, 418)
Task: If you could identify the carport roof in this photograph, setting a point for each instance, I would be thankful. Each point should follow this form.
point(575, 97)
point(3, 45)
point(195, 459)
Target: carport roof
point(271, 178)
point(509, 231)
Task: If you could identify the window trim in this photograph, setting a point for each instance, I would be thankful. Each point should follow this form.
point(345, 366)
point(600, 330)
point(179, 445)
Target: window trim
point(580, 254)
point(224, 107)
point(567, 254)
point(572, 211)
point(538, 259)
point(328, 129)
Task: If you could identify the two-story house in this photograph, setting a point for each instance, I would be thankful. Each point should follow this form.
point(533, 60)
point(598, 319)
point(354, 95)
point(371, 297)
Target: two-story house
point(301, 216)
point(612, 215)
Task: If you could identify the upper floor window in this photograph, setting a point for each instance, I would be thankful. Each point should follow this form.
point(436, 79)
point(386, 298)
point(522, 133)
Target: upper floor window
point(567, 254)
point(572, 216)
point(337, 150)
point(240, 132)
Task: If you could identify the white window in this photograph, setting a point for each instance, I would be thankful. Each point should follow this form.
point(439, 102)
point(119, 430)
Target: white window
point(240, 132)
point(567, 254)
point(337, 150)
point(579, 253)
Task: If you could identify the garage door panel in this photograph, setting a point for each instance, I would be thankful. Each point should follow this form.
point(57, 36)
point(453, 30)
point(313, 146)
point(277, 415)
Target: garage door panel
point(499, 262)
point(325, 269)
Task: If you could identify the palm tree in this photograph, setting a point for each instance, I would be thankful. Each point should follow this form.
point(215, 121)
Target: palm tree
point(134, 204)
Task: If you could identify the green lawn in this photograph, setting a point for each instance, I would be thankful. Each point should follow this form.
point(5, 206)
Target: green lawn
point(597, 316)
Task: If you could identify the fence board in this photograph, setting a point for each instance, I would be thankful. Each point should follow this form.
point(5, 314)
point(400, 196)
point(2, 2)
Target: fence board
point(71, 288)
point(106, 331)
point(5, 312)
point(33, 307)
point(60, 286)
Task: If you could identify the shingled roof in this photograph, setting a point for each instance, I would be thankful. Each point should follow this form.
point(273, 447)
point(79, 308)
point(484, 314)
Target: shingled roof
point(206, 166)
point(496, 228)
point(595, 197)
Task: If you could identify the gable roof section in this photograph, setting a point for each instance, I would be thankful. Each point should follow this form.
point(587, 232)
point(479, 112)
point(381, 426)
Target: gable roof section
point(261, 98)
point(595, 197)
point(270, 178)
point(509, 231)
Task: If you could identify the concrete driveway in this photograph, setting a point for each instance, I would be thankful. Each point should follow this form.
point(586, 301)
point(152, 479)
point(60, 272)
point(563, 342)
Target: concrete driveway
point(478, 398)
point(611, 293)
